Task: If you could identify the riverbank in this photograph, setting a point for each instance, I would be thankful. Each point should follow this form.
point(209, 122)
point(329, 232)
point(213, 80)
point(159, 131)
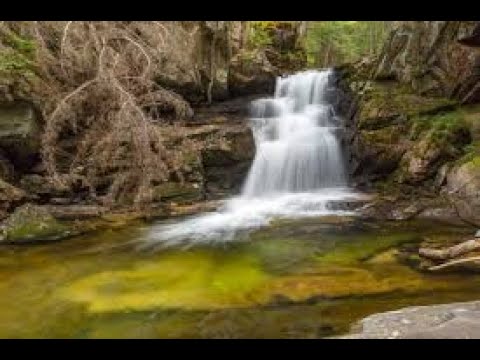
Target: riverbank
point(447, 321)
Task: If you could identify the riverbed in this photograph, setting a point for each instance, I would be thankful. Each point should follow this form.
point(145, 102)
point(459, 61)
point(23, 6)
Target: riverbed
point(303, 278)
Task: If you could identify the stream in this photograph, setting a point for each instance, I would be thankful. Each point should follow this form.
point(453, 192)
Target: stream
point(277, 261)
point(303, 278)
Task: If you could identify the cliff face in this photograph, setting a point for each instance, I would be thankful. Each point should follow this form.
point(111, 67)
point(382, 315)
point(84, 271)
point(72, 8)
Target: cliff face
point(427, 56)
point(416, 128)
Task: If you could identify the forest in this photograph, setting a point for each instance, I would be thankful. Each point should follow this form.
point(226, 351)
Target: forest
point(239, 179)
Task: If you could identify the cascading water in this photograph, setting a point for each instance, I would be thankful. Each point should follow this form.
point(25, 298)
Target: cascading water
point(297, 148)
point(297, 171)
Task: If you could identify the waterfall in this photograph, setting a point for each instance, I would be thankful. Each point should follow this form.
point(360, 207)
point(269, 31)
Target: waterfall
point(296, 138)
point(297, 171)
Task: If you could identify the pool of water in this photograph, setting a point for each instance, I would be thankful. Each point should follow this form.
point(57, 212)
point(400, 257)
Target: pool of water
point(308, 278)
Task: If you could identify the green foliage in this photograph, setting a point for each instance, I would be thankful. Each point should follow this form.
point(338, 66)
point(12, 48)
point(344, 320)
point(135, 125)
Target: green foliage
point(259, 36)
point(334, 42)
point(17, 57)
point(440, 126)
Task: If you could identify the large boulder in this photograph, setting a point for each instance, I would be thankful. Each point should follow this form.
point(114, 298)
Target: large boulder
point(435, 148)
point(427, 56)
point(463, 182)
point(19, 133)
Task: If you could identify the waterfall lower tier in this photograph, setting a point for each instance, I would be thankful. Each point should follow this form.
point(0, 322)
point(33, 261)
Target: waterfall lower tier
point(298, 169)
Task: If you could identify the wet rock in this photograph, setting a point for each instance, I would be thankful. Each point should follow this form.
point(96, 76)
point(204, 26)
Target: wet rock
point(10, 196)
point(174, 191)
point(33, 223)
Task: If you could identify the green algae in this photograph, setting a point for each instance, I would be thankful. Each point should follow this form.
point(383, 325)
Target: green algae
point(296, 279)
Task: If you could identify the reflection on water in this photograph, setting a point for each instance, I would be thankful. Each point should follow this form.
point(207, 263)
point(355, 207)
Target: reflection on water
point(299, 278)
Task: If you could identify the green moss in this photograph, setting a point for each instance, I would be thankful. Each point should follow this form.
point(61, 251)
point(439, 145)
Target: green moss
point(387, 102)
point(33, 223)
point(199, 279)
point(176, 191)
point(363, 248)
point(18, 58)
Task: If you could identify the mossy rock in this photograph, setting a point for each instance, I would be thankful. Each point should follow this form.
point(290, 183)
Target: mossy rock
point(388, 103)
point(31, 223)
point(178, 192)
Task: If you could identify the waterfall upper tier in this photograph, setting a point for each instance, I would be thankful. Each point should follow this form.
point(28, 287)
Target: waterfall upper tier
point(296, 136)
point(298, 169)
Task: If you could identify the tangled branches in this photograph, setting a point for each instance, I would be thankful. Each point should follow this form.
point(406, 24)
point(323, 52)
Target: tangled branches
point(102, 106)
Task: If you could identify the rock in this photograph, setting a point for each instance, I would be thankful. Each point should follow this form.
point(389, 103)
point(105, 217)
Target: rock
point(463, 182)
point(39, 186)
point(6, 168)
point(10, 196)
point(477, 234)
point(192, 46)
point(32, 223)
point(251, 73)
point(382, 124)
point(448, 321)
point(19, 133)
point(424, 159)
point(76, 212)
point(426, 56)
point(177, 192)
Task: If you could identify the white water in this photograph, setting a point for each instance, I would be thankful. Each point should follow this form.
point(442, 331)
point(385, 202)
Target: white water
point(298, 167)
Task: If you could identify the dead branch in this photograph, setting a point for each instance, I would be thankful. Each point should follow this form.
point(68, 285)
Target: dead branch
point(454, 262)
point(451, 252)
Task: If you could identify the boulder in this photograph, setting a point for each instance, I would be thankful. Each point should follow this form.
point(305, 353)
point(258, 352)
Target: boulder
point(426, 156)
point(251, 73)
point(463, 182)
point(32, 223)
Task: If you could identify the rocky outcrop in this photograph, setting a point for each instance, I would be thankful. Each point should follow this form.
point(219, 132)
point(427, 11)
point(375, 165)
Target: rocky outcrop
point(10, 196)
point(196, 65)
point(251, 73)
point(449, 321)
point(427, 56)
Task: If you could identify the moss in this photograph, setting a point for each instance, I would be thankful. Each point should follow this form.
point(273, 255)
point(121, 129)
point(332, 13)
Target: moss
point(199, 279)
point(18, 58)
point(33, 223)
point(175, 191)
point(440, 126)
point(386, 103)
point(363, 248)
point(471, 156)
